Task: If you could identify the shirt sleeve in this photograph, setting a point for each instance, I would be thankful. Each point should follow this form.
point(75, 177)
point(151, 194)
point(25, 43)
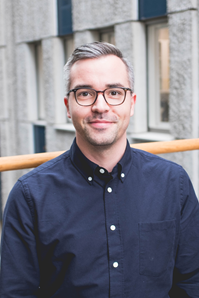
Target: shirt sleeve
point(19, 261)
point(186, 271)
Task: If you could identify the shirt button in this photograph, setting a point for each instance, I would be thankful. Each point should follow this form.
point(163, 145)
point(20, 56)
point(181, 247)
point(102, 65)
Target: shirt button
point(109, 189)
point(122, 175)
point(115, 264)
point(112, 228)
point(102, 171)
point(90, 178)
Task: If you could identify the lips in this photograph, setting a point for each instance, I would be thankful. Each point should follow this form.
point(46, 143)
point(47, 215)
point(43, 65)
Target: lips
point(100, 123)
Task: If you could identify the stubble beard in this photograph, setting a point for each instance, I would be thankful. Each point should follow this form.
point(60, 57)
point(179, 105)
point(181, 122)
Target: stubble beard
point(101, 139)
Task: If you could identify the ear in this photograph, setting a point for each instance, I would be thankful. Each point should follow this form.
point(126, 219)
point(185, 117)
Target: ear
point(133, 101)
point(66, 102)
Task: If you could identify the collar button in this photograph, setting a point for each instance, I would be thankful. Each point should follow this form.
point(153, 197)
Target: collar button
point(102, 171)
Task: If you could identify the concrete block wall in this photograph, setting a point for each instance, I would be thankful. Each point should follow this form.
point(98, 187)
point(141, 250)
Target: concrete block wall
point(8, 89)
point(30, 21)
point(184, 80)
point(104, 13)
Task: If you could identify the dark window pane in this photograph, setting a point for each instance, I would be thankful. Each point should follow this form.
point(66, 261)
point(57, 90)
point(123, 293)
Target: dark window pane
point(39, 138)
point(164, 110)
point(64, 17)
point(152, 8)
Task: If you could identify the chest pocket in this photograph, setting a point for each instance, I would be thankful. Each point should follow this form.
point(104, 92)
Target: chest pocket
point(156, 247)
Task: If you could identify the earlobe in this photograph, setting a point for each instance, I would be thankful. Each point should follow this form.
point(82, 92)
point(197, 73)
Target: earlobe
point(133, 101)
point(66, 102)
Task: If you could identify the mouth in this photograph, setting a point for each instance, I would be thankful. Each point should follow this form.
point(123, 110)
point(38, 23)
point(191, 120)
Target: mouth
point(101, 124)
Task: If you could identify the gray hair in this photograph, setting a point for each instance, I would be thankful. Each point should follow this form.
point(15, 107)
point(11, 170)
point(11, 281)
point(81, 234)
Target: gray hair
point(91, 51)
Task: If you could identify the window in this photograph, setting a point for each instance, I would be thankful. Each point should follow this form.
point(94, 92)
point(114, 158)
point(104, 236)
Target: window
point(39, 130)
point(152, 9)
point(35, 82)
point(64, 8)
point(39, 81)
point(158, 76)
point(36, 96)
point(39, 138)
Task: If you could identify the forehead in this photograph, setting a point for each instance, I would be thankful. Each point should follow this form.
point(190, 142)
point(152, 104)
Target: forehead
point(100, 71)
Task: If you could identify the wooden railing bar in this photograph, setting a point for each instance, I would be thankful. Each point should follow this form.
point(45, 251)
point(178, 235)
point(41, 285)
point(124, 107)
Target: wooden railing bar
point(33, 160)
point(168, 147)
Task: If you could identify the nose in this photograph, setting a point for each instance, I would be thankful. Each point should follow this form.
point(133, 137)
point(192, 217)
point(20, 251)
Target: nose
point(100, 105)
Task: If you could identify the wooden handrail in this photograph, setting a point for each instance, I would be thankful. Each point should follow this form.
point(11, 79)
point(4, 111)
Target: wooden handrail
point(33, 160)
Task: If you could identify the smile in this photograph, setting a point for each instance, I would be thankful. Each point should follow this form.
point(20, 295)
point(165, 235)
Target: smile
point(100, 124)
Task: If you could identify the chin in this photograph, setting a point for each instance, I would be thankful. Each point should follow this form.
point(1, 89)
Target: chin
point(101, 142)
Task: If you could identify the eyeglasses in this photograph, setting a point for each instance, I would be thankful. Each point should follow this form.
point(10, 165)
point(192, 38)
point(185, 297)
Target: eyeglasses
point(88, 96)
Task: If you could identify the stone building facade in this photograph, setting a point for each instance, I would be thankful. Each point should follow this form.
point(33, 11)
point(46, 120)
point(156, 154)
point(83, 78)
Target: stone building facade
point(36, 38)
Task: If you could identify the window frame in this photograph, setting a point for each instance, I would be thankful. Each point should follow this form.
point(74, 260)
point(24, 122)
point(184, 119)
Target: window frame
point(153, 76)
point(35, 84)
point(39, 81)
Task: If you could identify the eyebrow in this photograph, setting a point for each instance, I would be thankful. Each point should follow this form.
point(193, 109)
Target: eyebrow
point(107, 86)
point(114, 85)
point(82, 86)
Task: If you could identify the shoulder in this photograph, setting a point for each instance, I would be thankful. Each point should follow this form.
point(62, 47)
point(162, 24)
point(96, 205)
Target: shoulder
point(150, 159)
point(37, 179)
point(157, 167)
point(55, 165)
point(166, 175)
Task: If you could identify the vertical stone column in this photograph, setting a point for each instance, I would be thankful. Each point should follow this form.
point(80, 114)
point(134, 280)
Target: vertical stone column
point(8, 132)
point(53, 62)
point(184, 112)
point(131, 40)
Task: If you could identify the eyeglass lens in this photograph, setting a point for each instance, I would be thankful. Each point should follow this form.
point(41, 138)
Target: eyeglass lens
point(113, 96)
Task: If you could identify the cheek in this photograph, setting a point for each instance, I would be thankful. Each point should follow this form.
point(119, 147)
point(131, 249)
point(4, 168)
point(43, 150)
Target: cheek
point(78, 114)
point(125, 112)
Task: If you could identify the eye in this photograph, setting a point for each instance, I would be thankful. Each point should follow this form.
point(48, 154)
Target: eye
point(115, 93)
point(85, 93)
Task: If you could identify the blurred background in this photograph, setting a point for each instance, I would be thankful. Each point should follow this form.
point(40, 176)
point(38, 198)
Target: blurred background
point(159, 37)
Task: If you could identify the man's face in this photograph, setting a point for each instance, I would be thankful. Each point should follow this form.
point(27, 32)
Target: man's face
point(100, 124)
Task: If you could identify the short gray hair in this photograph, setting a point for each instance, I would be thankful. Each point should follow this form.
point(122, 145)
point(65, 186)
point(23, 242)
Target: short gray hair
point(95, 50)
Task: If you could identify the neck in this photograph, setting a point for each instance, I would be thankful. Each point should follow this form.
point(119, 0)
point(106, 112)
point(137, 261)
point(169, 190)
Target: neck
point(104, 156)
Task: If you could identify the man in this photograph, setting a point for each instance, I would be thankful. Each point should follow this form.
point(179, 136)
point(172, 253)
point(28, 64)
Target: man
point(101, 220)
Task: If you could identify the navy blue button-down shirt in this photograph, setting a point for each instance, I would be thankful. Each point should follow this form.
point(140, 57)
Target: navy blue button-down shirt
point(73, 230)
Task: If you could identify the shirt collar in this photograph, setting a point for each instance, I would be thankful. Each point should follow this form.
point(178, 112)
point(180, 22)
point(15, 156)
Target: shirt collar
point(90, 170)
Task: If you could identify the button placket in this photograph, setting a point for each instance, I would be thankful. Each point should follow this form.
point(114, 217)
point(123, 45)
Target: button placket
point(114, 240)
